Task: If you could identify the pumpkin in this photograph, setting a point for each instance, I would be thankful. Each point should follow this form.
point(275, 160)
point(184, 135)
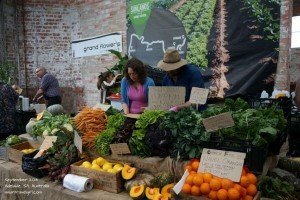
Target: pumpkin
point(140, 179)
point(56, 109)
point(137, 192)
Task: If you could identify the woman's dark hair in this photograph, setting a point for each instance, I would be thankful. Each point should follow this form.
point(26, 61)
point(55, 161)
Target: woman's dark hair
point(138, 67)
point(103, 77)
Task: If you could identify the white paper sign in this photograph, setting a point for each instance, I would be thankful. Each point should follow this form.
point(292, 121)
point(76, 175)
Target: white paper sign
point(104, 107)
point(199, 95)
point(78, 141)
point(217, 122)
point(97, 45)
point(165, 97)
point(225, 164)
point(178, 187)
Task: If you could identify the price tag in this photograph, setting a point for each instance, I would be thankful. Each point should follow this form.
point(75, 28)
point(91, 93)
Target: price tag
point(78, 141)
point(199, 95)
point(217, 122)
point(225, 164)
point(120, 149)
point(178, 187)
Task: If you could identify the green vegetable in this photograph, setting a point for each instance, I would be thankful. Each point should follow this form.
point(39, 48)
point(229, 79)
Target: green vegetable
point(13, 139)
point(148, 117)
point(103, 141)
point(137, 143)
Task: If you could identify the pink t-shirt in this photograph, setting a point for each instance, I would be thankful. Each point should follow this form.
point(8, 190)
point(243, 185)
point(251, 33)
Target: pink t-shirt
point(137, 99)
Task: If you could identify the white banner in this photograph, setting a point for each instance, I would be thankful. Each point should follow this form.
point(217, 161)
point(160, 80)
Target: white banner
point(97, 45)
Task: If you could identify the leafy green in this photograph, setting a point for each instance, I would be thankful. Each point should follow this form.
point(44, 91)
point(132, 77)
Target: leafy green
point(276, 189)
point(13, 139)
point(137, 143)
point(115, 121)
point(148, 117)
point(103, 141)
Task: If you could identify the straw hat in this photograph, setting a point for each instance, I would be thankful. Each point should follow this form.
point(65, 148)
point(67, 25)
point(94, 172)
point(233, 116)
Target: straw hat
point(171, 60)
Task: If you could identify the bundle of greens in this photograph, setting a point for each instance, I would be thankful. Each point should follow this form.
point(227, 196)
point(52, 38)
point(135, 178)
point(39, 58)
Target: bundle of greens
point(188, 134)
point(276, 189)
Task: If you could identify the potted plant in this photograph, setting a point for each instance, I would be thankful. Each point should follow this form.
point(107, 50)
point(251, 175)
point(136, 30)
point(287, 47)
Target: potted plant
point(119, 67)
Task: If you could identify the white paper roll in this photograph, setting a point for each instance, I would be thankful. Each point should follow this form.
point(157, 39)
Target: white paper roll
point(25, 104)
point(77, 183)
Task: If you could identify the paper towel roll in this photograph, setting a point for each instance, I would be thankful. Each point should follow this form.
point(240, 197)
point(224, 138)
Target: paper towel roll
point(25, 104)
point(77, 183)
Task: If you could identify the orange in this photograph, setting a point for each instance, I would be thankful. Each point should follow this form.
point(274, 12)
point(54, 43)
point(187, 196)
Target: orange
point(243, 172)
point(215, 184)
point(243, 192)
point(244, 182)
point(188, 167)
point(251, 190)
point(207, 177)
point(222, 194)
point(186, 188)
point(204, 188)
point(190, 178)
point(252, 178)
point(198, 179)
point(226, 183)
point(213, 195)
point(195, 165)
point(238, 187)
point(195, 190)
point(247, 197)
point(233, 194)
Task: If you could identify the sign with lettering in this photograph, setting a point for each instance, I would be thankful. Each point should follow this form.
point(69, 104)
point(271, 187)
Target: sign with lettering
point(97, 45)
point(199, 95)
point(178, 187)
point(165, 97)
point(120, 149)
point(225, 164)
point(217, 122)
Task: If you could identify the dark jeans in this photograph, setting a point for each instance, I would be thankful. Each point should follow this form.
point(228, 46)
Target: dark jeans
point(53, 100)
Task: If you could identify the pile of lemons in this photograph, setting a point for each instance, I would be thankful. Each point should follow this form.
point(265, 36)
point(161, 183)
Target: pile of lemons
point(101, 164)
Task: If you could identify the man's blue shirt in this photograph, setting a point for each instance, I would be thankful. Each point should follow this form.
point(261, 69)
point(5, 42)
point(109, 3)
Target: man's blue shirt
point(190, 76)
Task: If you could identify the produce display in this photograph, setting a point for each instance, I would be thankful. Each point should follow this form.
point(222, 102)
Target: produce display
point(90, 122)
point(11, 140)
point(100, 164)
point(216, 188)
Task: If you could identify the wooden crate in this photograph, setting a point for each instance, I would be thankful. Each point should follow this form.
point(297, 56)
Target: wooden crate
point(102, 180)
point(15, 151)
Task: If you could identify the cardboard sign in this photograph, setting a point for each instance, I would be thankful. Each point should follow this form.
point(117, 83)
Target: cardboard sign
point(165, 97)
point(225, 164)
point(199, 95)
point(47, 143)
point(217, 122)
point(78, 141)
point(104, 107)
point(120, 149)
point(178, 187)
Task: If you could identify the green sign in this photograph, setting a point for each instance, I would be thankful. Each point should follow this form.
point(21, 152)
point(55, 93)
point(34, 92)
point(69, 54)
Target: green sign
point(139, 12)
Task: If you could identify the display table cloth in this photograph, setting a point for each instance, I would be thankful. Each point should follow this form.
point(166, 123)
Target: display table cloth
point(15, 184)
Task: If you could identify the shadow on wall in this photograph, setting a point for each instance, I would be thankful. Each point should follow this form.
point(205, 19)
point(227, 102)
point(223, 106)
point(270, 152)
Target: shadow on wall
point(72, 98)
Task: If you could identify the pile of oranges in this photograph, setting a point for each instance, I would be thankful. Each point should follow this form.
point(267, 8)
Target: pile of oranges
point(216, 188)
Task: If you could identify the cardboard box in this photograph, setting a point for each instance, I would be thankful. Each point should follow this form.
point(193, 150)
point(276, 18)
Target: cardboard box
point(15, 151)
point(102, 180)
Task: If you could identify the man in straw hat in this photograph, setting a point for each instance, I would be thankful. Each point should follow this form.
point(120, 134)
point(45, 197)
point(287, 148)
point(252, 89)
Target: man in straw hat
point(180, 73)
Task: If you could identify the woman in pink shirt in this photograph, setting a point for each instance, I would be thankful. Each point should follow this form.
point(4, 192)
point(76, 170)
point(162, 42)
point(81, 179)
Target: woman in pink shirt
point(135, 87)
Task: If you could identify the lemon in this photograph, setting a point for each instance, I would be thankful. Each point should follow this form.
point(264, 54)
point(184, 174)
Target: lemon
point(96, 167)
point(86, 164)
point(107, 166)
point(112, 171)
point(95, 162)
point(100, 161)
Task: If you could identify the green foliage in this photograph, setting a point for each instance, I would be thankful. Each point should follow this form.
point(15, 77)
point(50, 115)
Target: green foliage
point(115, 121)
point(276, 189)
point(148, 117)
point(263, 14)
point(6, 71)
point(49, 123)
point(137, 143)
point(166, 4)
point(103, 141)
point(120, 65)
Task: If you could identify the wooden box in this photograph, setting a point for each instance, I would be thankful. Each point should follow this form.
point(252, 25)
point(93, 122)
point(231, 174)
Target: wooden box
point(15, 151)
point(111, 182)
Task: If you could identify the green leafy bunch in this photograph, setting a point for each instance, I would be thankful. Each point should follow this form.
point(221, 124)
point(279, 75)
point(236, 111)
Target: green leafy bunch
point(188, 133)
point(149, 117)
point(103, 141)
point(276, 189)
point(137, 143)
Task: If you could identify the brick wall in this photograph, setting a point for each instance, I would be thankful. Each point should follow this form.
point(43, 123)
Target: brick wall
point(295, 64)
